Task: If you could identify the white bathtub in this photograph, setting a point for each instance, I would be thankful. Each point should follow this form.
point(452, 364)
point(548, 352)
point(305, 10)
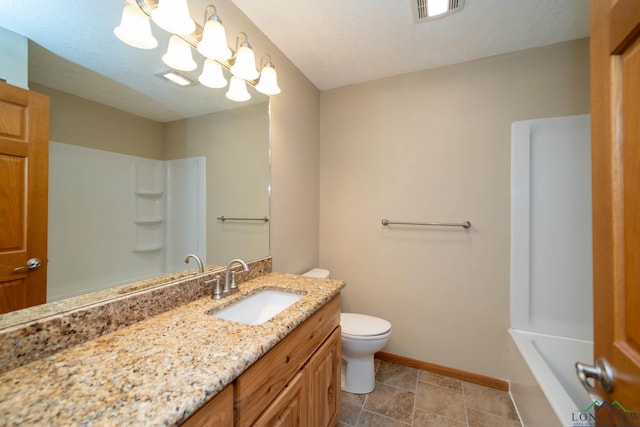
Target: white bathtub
point(551, 376)
point(551, 268)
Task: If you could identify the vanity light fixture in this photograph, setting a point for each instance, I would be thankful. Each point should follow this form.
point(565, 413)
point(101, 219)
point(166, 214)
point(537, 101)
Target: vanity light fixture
point(238, 90)
point(213, 44)
point(173, 17)
point(210, 41)
point(268, 83)
point(212, 75)
point(134, 29)
point(178, 55)
point(245, 64)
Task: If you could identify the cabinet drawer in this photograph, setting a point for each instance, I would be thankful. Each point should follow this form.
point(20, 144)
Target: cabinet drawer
point(263, 381)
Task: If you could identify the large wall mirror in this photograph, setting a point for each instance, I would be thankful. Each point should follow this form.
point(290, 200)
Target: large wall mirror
point(141, 169)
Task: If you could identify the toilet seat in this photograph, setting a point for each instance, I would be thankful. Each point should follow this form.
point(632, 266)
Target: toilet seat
point(361, 326)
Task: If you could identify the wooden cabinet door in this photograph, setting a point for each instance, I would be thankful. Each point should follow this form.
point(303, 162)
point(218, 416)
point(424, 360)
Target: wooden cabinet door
point(323, 373)
point(615, 130)
point(289, 409)
point(24, 175)
point(262, 382)
point(218, 412)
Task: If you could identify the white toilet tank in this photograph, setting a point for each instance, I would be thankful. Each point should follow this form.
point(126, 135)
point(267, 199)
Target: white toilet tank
point(320, 273)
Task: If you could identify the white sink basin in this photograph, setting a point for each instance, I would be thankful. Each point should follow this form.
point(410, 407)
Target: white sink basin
point(258, 308)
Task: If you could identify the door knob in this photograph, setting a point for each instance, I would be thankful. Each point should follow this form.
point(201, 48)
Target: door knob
point(601, 372)
point(33, 263)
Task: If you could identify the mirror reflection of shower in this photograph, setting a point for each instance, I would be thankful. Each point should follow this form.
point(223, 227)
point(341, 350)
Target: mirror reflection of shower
point(141, 216)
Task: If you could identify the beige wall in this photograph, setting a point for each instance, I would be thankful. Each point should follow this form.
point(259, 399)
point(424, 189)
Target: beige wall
point(435, 146)
point(294, 152)
point(295, 174)
point(237, 176)
point(78, 121)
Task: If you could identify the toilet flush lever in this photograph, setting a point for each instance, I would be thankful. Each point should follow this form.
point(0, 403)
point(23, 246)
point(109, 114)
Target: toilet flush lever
point(32, 264)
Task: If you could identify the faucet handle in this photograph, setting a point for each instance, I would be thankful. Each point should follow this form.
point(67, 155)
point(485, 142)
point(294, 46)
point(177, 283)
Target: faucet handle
point(217, 287)
point(233, 286)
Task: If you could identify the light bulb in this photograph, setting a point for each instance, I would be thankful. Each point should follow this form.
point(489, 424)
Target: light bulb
point(212, 75)
point(134, 29)
point(178, 55)
point(245, 63)
point(238, 90)
point(173, 16)
point(214, 41)
point(268, 83)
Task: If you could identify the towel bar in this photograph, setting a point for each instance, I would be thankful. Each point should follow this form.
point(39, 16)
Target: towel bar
point(466, 225)
point(224, 218)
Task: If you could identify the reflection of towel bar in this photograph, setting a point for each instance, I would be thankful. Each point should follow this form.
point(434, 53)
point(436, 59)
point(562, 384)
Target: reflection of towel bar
point(466, 225)
point(224, 218)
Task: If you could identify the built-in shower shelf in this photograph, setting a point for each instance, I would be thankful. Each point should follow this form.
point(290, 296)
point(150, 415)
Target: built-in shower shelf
point(148, 248)
point(148, 221)
point(149, 194)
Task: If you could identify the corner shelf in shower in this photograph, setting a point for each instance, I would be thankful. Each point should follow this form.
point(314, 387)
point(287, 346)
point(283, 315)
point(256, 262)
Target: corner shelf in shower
point(148, 221)
point(149, 212)
point(148, 248)
point(149, 194)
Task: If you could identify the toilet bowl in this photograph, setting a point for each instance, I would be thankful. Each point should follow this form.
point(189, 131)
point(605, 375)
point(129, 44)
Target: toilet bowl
point(362, 337)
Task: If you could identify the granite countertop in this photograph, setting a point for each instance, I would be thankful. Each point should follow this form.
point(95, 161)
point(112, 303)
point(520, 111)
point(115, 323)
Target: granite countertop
point(158, 371)
point(54, 307)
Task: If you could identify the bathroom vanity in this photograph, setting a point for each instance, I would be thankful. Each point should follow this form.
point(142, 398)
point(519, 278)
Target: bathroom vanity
point(295, 383)
point(188, 367)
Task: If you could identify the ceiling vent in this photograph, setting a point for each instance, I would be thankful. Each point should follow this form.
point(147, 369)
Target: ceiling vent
point(428, 10)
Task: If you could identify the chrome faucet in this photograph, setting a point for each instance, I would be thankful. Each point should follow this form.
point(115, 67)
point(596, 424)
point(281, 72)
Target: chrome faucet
point(230, 288)
point(198, 260)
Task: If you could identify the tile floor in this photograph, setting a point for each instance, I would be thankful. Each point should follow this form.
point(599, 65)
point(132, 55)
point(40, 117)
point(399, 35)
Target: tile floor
point(412, 397)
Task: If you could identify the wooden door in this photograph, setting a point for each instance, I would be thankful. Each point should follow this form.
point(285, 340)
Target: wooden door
point(324, 383)
point(615, 109)
point(24, 160)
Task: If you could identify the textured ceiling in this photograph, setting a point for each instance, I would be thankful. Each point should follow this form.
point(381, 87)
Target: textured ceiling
point(333, 42)
point(340, 42)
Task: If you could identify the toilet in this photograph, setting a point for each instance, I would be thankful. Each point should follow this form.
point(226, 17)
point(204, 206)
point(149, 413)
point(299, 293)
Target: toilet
point(362, 337)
